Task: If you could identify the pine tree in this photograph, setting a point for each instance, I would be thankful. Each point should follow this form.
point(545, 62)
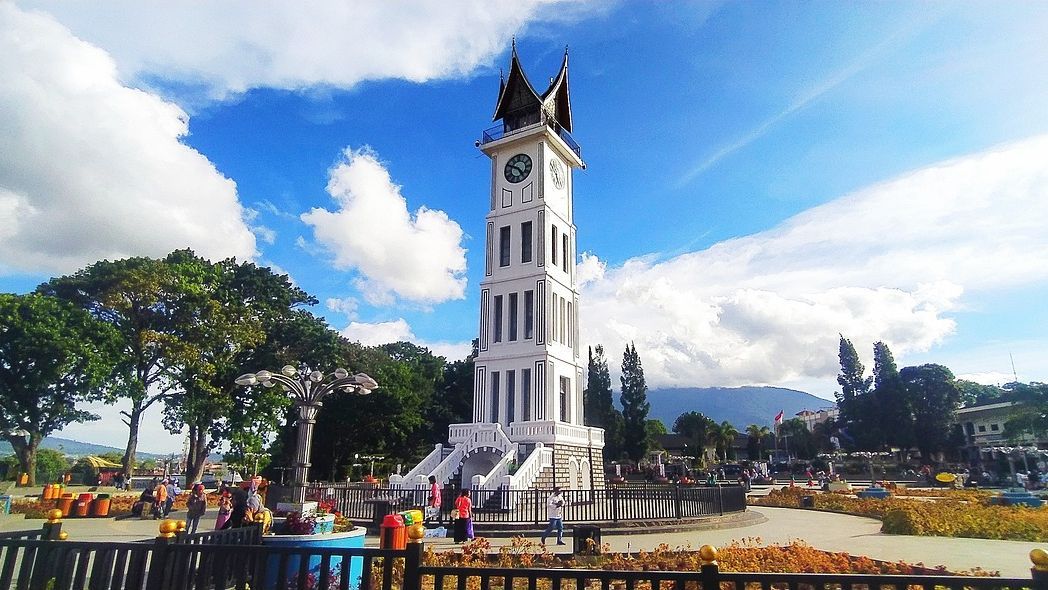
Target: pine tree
point(893, 408)
point(858, 408)
point(599, 408)
point(635, 405)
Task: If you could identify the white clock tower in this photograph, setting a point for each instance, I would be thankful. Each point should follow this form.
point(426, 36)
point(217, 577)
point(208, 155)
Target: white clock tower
point(527, 428)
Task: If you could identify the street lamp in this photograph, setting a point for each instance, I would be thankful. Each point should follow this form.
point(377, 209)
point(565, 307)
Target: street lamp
point(308, 390)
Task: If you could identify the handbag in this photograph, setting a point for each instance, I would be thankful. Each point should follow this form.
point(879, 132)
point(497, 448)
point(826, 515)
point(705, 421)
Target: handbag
point(454, 513)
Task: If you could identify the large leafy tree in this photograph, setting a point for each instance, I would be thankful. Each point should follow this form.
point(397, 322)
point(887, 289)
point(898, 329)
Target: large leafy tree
point(635, 406)
point(933, 395)
point(893, 408)
point(53, 356)
point(452, 401)
point(797, 439)
point(140, 298)
point(699, 429)
point(239, 309)
point(1030, 414)
point(600, 410)
point(726, 434)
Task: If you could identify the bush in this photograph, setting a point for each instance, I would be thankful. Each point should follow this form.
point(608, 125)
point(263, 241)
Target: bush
point(954, 513)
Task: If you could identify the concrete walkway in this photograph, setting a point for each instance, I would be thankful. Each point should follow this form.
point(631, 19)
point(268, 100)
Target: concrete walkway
point(831, 532)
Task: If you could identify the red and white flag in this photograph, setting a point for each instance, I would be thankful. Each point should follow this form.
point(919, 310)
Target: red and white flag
point(778, 418)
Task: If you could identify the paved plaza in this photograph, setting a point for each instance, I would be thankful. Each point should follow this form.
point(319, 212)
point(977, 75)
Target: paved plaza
point(828, 531)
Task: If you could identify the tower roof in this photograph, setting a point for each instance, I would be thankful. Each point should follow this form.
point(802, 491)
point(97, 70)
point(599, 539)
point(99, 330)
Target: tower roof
point(516, 93)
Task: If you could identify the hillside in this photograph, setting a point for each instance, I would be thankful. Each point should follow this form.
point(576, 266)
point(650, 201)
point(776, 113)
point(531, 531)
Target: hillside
point(741, 406)
point(76, 448)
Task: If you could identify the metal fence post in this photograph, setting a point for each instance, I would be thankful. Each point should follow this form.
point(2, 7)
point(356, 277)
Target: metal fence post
point(158, 563)
point(412, 563)
point(676, 501)
point(709, 570)
point(1039, 571)
point(52, 529)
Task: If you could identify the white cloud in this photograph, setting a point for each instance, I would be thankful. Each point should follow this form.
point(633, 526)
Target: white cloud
point(416, 256)
point(375, 334)
point(345, 305)
point(991, 378)
point(233, 46)
point(889, 262)
point(92, 169)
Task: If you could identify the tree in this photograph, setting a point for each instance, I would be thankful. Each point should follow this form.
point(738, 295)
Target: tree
point(53, 356)
point(452, 401)
point(933, 395)
point(797, 438)
point(635, 406)
point(755, 444)
point(699, 429)
point(974, 394)
point(138, 297)
point(726, 434)
point(893, 410)
point(599, 407)
point(1030, 415)
point(858, 409)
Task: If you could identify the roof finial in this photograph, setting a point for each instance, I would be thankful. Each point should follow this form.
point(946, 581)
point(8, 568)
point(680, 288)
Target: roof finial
point(513, 42)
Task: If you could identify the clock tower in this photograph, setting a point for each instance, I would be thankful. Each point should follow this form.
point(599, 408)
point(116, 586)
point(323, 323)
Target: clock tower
point(527, 429)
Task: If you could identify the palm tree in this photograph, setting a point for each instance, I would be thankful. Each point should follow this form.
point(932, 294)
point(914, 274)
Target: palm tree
point(726, 433)
point(757, 435)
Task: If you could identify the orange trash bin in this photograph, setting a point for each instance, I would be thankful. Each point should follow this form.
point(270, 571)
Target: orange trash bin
point(65, 504)
point(100, 507)
point(83, 504)
point(393, 534)
point(46, 494)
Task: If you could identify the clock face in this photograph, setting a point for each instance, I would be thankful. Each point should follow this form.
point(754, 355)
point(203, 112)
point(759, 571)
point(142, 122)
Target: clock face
point(518, 168)
point(556, 173)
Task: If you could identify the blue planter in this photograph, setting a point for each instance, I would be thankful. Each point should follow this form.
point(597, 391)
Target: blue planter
point(350, 539)
point(1017, 496)
point(874, 492)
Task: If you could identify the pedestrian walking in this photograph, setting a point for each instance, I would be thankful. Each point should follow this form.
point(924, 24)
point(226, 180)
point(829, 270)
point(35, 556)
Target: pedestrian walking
point(172, 492)
point(159, 499)
point(195, 507)
point(463, 517)
point(433, 504)
point(555, 512)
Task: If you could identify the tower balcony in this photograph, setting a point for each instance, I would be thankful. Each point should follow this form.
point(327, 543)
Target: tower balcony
point(500, 132)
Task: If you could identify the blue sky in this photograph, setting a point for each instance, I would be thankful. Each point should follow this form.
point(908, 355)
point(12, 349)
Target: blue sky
point(761, 176)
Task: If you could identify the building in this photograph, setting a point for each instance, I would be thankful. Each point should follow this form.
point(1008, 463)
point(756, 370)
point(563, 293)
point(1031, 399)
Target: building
point(527, 429)
point(983, 429)
point(811, 418)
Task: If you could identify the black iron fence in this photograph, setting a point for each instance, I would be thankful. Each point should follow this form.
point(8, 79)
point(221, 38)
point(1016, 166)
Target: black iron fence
point(614, 504)
point(708, 578)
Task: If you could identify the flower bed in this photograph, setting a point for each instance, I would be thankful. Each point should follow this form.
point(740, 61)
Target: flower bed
point(748, 555)
point(960, 514)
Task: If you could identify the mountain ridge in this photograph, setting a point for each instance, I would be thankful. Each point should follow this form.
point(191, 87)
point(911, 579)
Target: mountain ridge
point(78, 448)
point(741, 406)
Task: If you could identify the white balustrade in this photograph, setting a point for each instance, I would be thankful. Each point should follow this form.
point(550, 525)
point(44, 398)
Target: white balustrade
point(419, 474)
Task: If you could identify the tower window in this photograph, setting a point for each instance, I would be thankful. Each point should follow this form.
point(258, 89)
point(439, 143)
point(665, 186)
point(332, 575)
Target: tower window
point(565, 387)
point(497, 327)
point(563, 317)
point(504, 246)
point(511, 396)
point(494, 396)
point(529, 315)
point(525, 242)
point(525, 393)
point(564, 251)
point(512, 317)
point(553, 320)
point(553, 247)
point(570, 324)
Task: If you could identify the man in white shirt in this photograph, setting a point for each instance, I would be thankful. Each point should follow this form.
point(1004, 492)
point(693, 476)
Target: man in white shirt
point(555, 511)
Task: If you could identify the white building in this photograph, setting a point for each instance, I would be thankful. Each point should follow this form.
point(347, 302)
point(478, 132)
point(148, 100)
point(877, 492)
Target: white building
point(527, 428)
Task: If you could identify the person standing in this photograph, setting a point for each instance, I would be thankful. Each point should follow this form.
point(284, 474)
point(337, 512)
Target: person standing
point(172, 492)
point(433, 506)
point(463, 517)
point(159, 499)
point(555, 512)
point(225, 507)
point(196, 507)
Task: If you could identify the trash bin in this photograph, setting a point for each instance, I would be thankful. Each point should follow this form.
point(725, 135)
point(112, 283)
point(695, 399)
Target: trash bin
point(5, 504)
point(586, 540)
point(807, 501)
point(83, 504)
point(392, 533)
point(65, 504)
point(100, 507)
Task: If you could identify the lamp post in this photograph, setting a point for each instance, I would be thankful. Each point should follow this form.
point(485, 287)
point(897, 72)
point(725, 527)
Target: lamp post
point(308, 390)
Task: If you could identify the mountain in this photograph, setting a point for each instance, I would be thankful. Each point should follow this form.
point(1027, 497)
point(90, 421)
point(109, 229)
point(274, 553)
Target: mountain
point(741, 406)
point(76, 448)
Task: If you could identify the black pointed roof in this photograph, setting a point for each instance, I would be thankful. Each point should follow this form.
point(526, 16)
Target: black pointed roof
point(516, 93)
